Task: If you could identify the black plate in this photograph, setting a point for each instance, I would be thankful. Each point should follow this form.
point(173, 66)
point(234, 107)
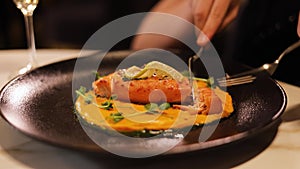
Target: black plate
point(40, 105)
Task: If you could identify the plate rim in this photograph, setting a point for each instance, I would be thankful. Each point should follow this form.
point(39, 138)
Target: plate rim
point(178, 149)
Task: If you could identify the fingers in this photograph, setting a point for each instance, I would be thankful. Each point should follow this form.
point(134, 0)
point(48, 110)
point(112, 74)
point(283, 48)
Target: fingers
point(213, 21)
point(230, 16)
point(201, 9)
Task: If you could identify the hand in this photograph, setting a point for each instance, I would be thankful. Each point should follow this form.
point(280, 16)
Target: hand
point(212, 15)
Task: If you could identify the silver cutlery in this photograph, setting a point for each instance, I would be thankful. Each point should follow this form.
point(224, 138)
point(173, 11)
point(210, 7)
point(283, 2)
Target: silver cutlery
point(268, 67)
point(250, 76)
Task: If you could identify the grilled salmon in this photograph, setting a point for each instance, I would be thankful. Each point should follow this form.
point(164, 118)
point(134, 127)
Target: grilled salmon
point(143, 90)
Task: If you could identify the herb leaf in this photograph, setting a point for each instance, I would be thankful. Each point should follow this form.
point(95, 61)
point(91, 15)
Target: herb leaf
point(151, 106)
point(107, 105)
point(164, 106)
point(97, 75)
point(116, 117)
point(81, 92)
point(88, 98)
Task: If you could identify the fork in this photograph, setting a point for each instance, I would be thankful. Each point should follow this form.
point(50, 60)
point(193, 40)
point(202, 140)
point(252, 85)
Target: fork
point(270, 68)
point(249, 76)
point(224, 81)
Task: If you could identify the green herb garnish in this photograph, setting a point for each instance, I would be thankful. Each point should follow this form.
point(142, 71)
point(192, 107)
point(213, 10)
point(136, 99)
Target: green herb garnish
point(82, 92)
point(151, 106)
point(107, 105)
point(164, 106)
point(154, 108)
point(116, 117)
point(97, 75)
point(88, 99)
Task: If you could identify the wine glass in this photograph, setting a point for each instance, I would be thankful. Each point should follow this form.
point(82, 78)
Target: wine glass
point(27, 7)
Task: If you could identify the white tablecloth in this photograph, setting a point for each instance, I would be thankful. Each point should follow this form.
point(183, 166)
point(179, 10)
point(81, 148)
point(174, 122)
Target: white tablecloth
point(20, 151)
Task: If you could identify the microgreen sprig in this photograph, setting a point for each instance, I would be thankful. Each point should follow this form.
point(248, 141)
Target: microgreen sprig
point(88, 99)
point(107, 105)
point(97, 75)
point(164, 106)
point(154, 108)
point(116, 117)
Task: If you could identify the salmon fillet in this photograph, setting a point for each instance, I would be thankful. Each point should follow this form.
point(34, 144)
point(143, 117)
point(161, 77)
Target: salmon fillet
point(143, 90)
point(159, 90)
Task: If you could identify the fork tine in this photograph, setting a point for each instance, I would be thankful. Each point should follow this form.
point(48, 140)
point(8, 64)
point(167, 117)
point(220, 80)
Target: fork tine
point(236, 81)
point(240, 82)
point(228, 79)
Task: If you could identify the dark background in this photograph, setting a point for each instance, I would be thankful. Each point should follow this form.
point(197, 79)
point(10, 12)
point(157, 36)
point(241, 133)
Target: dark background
point(64, 23)
point(262, 31)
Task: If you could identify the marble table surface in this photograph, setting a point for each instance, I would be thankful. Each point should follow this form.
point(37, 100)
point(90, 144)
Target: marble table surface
point(21, 152)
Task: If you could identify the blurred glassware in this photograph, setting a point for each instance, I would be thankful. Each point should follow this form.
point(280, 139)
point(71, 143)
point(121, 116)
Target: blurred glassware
point(27, 7)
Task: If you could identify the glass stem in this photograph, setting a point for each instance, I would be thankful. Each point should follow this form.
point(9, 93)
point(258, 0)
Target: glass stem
point(30, 41)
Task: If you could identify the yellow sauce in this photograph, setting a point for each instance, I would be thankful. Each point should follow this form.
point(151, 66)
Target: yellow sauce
point(136, 118)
